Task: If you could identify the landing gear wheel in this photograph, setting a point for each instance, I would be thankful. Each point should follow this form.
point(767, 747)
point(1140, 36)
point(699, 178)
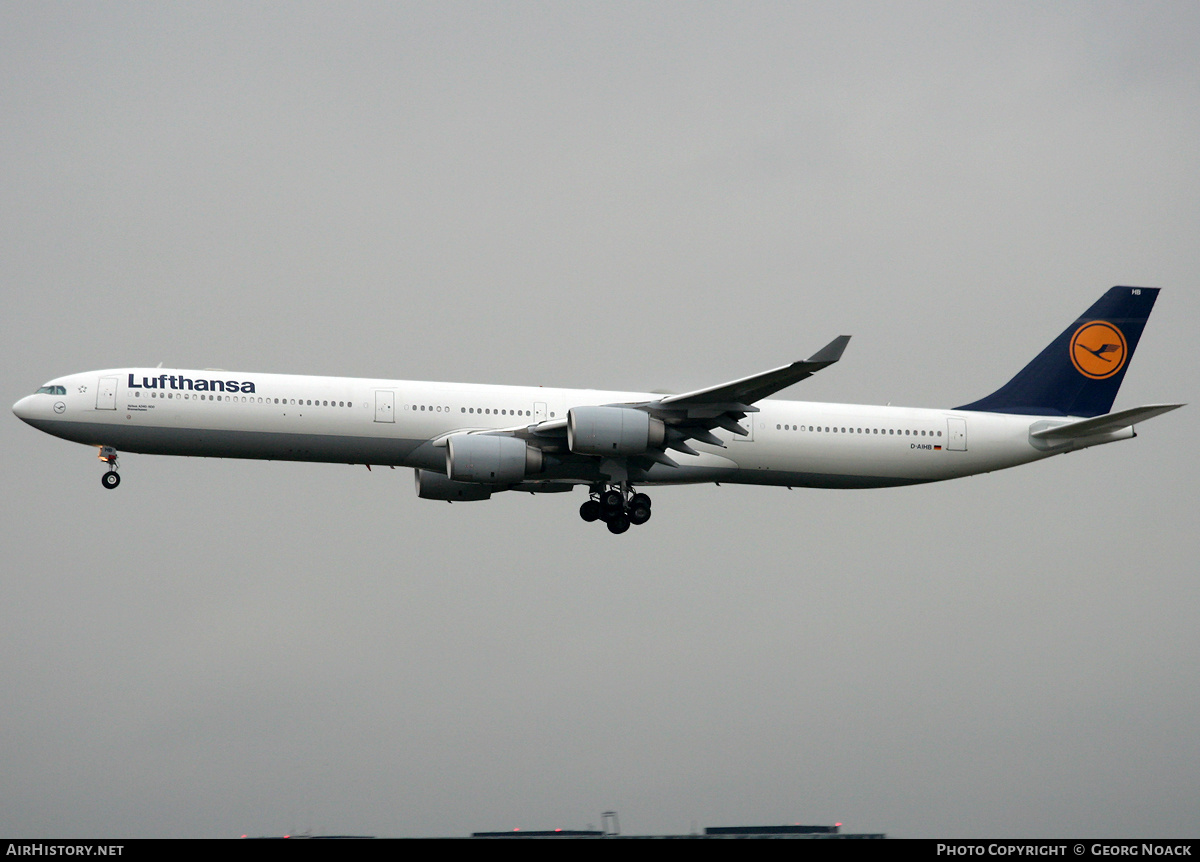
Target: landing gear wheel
point(590, 511)
point(639, 499)
point(638, 514)
point(618, 523)
point(612, 500)
point(111, 479)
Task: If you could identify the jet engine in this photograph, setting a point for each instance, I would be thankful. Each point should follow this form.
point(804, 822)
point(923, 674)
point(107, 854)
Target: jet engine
point(613, 431)
point(435, 486)
point(490, 459)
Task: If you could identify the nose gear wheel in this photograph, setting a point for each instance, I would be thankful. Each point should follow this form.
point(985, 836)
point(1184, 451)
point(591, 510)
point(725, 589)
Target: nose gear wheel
point(112, 478)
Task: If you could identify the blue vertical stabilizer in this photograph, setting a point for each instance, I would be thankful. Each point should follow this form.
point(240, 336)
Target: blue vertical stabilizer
point(1080, 372)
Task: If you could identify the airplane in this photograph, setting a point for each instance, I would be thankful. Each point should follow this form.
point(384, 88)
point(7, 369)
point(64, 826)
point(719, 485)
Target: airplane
point(467, 442)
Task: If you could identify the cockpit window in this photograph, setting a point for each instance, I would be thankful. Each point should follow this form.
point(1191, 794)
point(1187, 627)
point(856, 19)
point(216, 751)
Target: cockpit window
point(52, 390)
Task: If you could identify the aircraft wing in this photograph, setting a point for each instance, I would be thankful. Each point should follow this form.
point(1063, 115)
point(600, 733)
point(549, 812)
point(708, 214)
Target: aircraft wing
point(690, 415)
point(694, 415)
point(747, 390)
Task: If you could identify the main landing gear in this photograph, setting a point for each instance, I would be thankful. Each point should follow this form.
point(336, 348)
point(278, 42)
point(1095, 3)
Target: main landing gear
point(112, 478)
point(616, 507)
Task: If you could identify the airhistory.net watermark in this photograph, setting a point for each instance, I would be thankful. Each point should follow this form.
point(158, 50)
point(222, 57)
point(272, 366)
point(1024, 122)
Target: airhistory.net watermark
point(38, 848)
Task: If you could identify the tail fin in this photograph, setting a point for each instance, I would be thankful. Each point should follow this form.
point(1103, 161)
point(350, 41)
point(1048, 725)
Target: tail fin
point(1080, 372)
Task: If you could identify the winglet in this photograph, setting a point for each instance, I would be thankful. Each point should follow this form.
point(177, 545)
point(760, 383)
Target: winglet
point(832, 351)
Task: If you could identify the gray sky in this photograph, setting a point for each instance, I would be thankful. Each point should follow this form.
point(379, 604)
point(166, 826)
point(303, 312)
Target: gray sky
point(624, 196)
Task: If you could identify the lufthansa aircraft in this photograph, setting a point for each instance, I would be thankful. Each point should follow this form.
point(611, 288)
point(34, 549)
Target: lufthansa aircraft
point(467, 442)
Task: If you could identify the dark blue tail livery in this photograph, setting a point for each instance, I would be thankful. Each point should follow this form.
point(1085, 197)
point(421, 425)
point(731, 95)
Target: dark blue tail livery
point(1080, 372)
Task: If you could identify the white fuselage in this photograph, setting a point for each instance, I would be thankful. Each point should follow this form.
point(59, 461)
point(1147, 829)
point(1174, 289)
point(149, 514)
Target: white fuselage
point(403, 423)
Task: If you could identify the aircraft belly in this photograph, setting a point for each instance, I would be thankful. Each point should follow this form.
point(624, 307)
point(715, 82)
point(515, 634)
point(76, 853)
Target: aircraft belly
point(235, 443)
point(861, 462)
point(844, 463)
point(806, 479)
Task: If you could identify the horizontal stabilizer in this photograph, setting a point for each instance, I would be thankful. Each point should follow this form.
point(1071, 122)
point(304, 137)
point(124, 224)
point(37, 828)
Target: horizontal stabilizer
point(1103, 424)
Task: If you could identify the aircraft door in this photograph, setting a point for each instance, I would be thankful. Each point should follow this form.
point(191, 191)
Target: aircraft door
point(539, 411)
point(957, 434)
point(385, 405)
point(106, 394)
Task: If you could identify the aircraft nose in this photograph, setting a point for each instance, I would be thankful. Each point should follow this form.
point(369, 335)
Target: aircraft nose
point(24, 408)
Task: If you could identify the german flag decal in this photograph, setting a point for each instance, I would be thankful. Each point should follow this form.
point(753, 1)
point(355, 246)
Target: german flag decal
point(1098, 350)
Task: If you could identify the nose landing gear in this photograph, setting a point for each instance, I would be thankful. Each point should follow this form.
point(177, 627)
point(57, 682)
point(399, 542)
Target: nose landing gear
point(112, 478)
point(616, 507)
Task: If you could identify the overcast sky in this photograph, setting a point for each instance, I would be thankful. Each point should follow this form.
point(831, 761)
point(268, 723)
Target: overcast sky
point(621, 196)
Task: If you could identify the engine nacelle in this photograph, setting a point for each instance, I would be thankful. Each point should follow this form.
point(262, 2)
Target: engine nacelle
point(613, 431)
point(490, 459)
point(435, 486)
